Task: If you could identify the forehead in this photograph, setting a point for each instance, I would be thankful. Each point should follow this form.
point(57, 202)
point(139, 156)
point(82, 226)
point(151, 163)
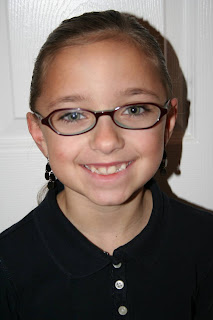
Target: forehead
point(104, 69)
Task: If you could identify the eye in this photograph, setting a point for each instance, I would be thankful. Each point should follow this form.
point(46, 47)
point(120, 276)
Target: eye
point(72, 116)
point(135, 110)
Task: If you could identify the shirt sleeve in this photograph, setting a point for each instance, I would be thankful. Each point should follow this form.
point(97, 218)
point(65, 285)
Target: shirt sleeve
point(8, 297)
point(204, 298)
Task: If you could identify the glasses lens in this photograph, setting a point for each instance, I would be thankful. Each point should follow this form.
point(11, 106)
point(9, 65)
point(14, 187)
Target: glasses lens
point(72, 121)
point(138, 116)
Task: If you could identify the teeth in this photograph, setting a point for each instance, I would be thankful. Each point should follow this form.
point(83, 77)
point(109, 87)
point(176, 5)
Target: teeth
point(102, 170)
point(92, 169)
point(111, 170)
point(123, 166)
point(108, 170)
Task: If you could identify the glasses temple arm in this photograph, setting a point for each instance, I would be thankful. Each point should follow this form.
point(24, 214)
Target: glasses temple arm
point(38, 115)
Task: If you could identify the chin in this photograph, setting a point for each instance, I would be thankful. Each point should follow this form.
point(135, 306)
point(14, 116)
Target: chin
point(110, 199)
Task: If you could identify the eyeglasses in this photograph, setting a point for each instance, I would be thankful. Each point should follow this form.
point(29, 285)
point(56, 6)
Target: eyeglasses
point(75, 121)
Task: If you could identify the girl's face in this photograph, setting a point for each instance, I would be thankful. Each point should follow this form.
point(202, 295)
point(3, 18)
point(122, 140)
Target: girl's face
point(102, 76)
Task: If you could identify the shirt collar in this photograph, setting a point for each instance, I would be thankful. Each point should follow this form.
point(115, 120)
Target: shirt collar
point(77, 256)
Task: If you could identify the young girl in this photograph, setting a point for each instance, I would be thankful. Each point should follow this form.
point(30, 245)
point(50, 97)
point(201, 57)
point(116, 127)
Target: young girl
point(105, 243)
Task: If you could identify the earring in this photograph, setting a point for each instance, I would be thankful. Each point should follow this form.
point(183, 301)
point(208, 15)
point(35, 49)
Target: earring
point(163, 164)
point(49, 176)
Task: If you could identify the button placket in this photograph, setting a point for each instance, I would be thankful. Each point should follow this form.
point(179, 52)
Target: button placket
point(122, 310)
point(119, 284)
point(119, 290)
point(117, 266)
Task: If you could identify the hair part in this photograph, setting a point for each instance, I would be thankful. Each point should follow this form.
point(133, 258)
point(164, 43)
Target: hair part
point(93, 27)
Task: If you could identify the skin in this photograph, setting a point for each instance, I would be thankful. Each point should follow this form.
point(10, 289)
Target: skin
point(108, 210)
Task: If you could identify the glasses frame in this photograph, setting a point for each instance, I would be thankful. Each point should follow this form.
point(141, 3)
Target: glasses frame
point(46, 120)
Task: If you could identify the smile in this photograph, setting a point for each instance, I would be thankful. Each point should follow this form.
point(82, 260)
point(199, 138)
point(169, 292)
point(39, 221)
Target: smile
point(109, 169)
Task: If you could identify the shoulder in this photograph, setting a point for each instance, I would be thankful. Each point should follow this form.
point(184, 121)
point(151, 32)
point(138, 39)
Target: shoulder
point(190, 225)
point(15, 250)
point(182, 217)
point(8, 295)
point(188, 236)
point(22, 233)
point(21, 253)
point(189, 217)
point(18, 243)
point(191, 229)
point(17, 232)
point(22, 245)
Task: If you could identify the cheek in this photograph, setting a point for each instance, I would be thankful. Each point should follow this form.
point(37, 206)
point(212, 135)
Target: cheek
point(61, 157)
point(59, 148)
point(150, 141)
point(149, 145)
point(63, 150)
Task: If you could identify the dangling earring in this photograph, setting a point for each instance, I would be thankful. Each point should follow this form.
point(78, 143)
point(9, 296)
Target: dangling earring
point(163, 164)
point(49, 176)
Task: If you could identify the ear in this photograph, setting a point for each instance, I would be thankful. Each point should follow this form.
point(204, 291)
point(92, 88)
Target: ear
point(36, 132)
point(171, 120)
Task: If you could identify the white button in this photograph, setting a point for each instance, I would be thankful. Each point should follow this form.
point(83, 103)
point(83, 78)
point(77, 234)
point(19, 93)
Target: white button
point(116, 266)
point(119, 284)
point(122, 310)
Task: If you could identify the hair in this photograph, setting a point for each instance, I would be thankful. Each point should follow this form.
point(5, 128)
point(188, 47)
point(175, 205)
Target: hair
point(92, 27)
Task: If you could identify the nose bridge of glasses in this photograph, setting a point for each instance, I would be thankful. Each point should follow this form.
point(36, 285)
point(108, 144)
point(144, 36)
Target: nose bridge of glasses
point(99, 114)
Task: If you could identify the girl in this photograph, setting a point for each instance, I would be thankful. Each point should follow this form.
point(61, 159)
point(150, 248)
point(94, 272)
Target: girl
point(105, 243)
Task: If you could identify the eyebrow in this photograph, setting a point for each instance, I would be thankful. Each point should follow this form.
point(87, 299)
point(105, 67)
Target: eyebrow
point(79, 98)
point(71, 98)
point(136, 91)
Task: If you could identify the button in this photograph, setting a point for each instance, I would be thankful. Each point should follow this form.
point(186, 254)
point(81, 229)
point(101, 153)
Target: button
point(119, 284)
point(122, 310)
point(117, 266)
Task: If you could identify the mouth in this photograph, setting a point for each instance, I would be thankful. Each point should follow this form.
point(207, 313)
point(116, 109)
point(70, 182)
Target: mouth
point(107, 170)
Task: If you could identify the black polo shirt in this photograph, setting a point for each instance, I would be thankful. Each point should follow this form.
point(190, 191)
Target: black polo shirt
point(50, 271)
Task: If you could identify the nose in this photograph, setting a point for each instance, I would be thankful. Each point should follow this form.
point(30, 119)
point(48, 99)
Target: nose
point(106, 137)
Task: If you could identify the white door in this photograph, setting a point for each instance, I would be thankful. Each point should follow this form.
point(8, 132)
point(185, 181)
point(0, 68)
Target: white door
point(186, 24)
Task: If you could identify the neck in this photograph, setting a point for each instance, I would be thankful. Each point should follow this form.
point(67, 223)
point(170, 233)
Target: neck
point(108, 227)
